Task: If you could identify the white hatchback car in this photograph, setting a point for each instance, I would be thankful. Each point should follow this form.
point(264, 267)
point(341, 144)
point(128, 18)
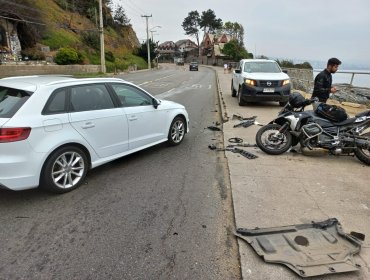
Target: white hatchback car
point(53, 129)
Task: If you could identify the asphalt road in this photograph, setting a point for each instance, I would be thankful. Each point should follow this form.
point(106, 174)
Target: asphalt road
point(162, 213)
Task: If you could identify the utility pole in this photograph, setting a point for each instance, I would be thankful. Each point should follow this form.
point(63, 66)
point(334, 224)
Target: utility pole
point(147, 40)
point(101, 30)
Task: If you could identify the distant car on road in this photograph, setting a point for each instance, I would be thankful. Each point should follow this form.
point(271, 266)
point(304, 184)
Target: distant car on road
point(193, 66)
point(53, 129)
point(256, 80)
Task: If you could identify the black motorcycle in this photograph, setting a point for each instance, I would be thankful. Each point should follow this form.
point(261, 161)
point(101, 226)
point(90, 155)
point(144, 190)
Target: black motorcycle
point(293, 125)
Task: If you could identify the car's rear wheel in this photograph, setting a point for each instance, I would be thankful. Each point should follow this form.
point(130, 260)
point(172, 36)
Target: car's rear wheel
point(64, 170)
point(177, 131)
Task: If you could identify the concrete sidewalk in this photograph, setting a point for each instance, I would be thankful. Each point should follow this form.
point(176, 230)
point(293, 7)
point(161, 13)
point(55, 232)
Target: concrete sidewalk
point(289, 189)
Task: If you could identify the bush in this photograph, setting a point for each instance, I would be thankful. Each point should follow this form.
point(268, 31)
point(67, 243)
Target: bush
point(109, 56)
point(91, 39)
point(68, 56)
point(33, 54)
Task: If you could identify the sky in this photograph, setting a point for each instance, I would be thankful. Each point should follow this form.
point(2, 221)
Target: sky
point(298, 30)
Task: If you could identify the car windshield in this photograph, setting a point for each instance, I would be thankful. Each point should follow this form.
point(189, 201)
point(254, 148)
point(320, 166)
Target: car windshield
point(11, 100)
point(194, 63)
point(261, 67)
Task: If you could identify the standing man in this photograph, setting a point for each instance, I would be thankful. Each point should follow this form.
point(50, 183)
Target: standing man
point(225, 68)
point(323, 80)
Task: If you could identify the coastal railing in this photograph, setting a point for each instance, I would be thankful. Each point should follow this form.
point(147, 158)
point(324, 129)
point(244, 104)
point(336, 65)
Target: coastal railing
point(303, 79)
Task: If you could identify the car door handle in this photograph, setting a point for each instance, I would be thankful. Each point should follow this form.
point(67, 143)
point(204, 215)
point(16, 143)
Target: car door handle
point(132, 118)
point(88, 125)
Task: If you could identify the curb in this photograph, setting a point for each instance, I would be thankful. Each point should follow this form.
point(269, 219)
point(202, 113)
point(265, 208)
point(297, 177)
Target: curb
point(222, 104)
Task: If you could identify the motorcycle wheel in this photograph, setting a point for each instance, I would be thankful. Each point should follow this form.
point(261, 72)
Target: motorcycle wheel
point(363, 154)
point(270, 142)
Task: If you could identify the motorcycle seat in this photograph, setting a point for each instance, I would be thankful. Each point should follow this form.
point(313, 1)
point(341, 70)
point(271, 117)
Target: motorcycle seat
point(347, 121)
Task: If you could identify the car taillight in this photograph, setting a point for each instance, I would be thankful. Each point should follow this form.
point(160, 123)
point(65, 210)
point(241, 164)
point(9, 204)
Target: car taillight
point(14, 134)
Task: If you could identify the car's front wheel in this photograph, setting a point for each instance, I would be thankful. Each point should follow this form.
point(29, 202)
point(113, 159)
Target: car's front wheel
point(241, 102)
point(177, 131)
point(64, 170)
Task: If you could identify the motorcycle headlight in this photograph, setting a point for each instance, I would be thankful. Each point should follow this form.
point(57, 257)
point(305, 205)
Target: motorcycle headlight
point(250, 82)
point(286, 82)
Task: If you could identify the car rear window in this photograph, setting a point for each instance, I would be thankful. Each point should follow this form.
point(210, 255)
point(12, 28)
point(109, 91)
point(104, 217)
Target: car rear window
point(11, 100)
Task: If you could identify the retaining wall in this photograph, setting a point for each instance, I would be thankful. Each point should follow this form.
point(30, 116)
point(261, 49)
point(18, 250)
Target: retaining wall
point(40, 69)
point(302, 79)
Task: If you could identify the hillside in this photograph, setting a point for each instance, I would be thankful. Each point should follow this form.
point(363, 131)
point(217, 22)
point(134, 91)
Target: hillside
point(65, 26)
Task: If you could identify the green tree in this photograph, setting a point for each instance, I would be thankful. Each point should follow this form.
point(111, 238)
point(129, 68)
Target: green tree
point(235, 30)
point(191, 25)
point(120, 17)
point(235, 50)
point(208, 21)
point(143, 50)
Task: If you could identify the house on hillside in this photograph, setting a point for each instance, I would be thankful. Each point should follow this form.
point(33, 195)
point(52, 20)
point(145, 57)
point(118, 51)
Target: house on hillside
point(167, 51)
point(212, 46)
point(188, 50)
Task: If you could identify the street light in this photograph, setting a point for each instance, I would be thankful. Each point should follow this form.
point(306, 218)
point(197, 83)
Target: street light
point(151, 30)
point(148, 45)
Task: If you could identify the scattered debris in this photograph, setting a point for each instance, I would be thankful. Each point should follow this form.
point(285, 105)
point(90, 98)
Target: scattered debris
point(233, 149)
point(214, 128)
point(244, 153)
point(309, 250)
point(246, 123)
point(245, 145)
point(235, 140)
point(241, 118)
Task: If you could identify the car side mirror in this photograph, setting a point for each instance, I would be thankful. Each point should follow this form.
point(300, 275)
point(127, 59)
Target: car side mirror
point(156, 103)
point(237, 71)
point(285, 71)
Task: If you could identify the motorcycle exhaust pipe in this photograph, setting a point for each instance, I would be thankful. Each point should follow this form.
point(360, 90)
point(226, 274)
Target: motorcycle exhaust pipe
point(314, 151)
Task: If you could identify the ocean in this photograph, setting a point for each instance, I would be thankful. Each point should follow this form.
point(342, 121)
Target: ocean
point(344, 77)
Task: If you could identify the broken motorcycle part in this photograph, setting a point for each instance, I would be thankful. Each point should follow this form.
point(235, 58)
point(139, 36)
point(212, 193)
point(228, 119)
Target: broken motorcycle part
point(234, 150)
point(235, 140)
point(308, 249)
point(241, 118)
point(214, 128)
point(246, 123)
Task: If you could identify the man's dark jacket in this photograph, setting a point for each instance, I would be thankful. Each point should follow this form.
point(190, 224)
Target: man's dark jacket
point(322, 86)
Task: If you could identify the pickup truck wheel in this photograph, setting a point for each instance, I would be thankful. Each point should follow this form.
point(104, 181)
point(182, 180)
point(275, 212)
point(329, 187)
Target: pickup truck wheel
point(233, 91)
point(240, 99)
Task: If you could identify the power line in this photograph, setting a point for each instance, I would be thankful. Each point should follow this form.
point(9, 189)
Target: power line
point(22, 6)
point(136, 6)
point(23, 20)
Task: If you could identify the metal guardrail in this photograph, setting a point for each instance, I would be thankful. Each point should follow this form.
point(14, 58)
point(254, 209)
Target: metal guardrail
point(353, 73)
point(309, 83)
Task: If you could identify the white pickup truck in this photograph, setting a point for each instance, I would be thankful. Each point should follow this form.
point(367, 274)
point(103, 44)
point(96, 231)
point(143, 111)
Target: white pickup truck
point(257, 80)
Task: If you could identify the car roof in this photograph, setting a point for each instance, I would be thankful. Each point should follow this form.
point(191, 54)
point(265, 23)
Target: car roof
point(258, 60)
point(31, 83)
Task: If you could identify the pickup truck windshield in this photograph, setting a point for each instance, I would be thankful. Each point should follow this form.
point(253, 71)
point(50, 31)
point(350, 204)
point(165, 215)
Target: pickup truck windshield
point(261, 67)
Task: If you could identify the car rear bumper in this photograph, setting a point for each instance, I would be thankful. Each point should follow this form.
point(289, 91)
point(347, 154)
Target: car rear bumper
point(19, 166)
point(257, 94)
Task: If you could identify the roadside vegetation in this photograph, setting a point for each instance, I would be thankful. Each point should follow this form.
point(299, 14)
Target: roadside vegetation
point(70, 29)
